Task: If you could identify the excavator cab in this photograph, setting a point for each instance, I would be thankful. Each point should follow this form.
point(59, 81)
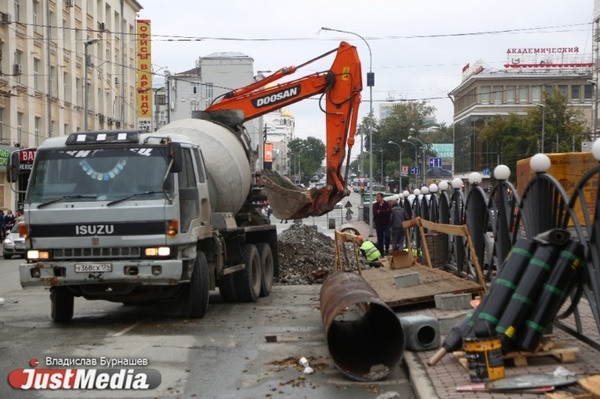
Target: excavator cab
point(340, 86)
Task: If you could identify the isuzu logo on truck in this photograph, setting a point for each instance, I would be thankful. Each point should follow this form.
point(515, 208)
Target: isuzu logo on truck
point(274, 98)
point(94, 229)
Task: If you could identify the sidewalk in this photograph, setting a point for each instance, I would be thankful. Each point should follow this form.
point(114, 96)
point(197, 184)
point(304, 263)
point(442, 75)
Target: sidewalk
point(441, 380)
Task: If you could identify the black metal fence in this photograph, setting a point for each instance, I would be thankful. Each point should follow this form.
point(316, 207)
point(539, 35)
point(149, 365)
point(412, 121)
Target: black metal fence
point(498, 218)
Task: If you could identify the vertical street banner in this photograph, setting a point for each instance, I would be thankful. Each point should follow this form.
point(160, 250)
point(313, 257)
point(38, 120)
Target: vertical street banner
point(144, 75)
point(268, 160)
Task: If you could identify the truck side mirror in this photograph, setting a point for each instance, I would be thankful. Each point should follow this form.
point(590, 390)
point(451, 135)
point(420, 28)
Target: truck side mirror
point(13, 167)
point(176, 153)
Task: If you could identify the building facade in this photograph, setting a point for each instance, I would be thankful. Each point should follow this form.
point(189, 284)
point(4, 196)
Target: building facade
point(213, 76)
point(278, 131)
point(63, 61)
point(485, 93)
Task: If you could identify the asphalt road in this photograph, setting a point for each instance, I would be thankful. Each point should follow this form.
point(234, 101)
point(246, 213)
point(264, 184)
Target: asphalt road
point(223, 355)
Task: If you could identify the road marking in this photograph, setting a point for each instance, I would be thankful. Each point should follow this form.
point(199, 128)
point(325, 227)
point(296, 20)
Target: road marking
point(126, 330)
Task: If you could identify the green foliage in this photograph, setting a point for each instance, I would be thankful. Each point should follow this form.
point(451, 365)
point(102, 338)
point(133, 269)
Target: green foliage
point(405, 119)
point(517, 137)
point(306, 157)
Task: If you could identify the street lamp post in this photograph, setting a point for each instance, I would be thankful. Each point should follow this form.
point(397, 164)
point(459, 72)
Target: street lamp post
point(543, 126)
point(423, 148)
point(86, 88)
point(399, 166)
point(168, 84)
point(416, 155)
point(370, 83)
point(381, 151)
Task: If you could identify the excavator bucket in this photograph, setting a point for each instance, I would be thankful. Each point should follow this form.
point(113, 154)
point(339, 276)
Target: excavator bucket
point(287, 200)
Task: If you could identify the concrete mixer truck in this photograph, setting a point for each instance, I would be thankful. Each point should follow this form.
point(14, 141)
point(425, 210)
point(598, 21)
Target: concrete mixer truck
point(137, 217)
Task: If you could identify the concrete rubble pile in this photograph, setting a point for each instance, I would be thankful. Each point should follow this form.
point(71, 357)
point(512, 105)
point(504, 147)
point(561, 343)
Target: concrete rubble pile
point(307, 256)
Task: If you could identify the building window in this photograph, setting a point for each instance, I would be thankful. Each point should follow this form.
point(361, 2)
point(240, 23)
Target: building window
point(497, 94)
point(66, 87)
point(209, 93)
point(37, 22)
point(511, 94)
point(78, 92)
point(523, 94)
point(17, 10)
point(536, 94)
point(548, 88)
point(576, 93)
point(563, 90)
point(18, 61)
point(485, 94)
point(194, 88)
point(36, 129)
point(54, 81)
point(588, 93)
point(36, 74)
point(20, 129)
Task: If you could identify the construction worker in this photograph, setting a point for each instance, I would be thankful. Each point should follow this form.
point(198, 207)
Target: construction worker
point(370, 251)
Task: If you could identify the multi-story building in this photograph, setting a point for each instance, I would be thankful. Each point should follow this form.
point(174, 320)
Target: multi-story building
point(279, 131)
point(65, 65)
point(485, 93)
point(213, 76)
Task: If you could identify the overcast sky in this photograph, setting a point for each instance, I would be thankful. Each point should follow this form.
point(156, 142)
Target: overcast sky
point(418, 47)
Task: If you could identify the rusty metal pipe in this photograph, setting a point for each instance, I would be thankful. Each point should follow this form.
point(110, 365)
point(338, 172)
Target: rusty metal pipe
point(364, 336)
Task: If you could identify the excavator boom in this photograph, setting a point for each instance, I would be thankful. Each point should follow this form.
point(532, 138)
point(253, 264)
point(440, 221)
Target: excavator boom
point(341, 86)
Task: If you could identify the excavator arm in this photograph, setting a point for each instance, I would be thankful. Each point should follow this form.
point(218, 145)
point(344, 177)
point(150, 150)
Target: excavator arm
point(341, 86)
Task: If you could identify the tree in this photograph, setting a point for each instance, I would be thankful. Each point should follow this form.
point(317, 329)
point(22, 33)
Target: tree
point(306, 157)
point(404, 119)
point(517, 137)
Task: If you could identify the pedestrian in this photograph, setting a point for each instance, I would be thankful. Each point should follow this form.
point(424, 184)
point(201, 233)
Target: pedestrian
point(20, 216)
point(399, 215)
point(9, 220)
point(370, 251)
point(2, 226)
point(382, 212)
point(269, 213)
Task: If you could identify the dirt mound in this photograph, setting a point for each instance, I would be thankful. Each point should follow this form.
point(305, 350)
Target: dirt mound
point(306, 256)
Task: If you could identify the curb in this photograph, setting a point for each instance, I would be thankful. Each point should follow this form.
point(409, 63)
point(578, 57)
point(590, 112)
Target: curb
point(418, 377)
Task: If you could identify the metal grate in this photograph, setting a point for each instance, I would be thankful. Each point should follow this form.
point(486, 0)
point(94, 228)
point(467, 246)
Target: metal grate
point(98, 253)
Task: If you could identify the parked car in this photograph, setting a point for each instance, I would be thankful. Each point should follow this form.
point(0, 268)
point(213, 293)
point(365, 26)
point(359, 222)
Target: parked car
point(14, 244)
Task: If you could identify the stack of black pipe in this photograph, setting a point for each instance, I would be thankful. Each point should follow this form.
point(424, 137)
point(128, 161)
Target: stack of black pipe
point(526, 295)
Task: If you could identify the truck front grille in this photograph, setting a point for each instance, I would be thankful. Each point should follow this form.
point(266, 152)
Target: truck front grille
point(98, 253)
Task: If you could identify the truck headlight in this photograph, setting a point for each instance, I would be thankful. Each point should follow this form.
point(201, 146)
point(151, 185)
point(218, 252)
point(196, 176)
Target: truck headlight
point(158, 251)
point(34, 254)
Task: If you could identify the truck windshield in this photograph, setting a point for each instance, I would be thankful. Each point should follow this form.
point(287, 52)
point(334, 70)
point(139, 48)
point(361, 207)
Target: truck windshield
point(105, 174)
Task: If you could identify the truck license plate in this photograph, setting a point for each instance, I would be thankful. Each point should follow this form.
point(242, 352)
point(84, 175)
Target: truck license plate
point(93, 267)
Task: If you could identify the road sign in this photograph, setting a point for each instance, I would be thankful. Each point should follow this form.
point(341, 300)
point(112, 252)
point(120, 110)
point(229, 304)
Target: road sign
point(349, 214)
point(486, 171)
point(348, 204)
point(404, 170)
point(435, 162)
point(414, 170)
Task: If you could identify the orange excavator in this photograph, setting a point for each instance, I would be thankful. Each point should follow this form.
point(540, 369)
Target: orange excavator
point(341, 86)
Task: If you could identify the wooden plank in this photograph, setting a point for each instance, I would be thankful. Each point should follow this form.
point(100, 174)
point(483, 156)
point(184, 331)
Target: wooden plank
point(455, 230)
point(433, 282)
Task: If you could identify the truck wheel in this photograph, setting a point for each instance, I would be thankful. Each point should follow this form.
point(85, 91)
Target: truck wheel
point(62, 302)
point(195, 302)
point(247, 281)
point(267, 267)
point(227, 288)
